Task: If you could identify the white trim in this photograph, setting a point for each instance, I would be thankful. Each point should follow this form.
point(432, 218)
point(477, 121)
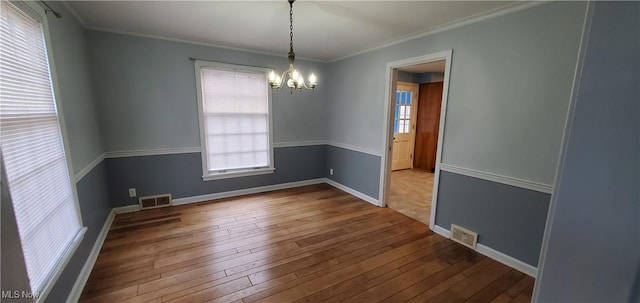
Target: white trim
point(497, 12)
point(247, 191)
point(126, 209)
point(299, 143)
point(152, 152)
point(530, 185)
point(238, 173)
point(494, 254)
point(355, 148)
point(353, 192)
point(120, 32)
point(87, 168)
point(387, 135)
point(81, 281)
point(577, 77)
point(507, 260)
point(441, 231)
point(261, 189)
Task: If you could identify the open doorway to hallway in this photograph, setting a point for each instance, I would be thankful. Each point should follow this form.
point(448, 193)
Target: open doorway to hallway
point(416, 121)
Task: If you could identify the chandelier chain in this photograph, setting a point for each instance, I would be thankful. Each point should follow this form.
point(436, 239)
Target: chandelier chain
point(291, 26)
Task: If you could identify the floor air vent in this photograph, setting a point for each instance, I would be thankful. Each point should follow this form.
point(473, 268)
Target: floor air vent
point(464, 236)
point(155, 201)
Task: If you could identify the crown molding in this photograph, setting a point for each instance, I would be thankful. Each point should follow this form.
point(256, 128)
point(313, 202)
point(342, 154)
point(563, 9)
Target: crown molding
point(74, 13)
point(499, 11)
point(490, 14)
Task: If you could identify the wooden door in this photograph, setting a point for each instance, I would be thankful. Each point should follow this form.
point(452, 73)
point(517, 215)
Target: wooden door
point(428, 123)
point(404, 126)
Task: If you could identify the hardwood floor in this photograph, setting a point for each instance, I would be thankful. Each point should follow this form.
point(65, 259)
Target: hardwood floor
point(410, 193)
point(307, 244)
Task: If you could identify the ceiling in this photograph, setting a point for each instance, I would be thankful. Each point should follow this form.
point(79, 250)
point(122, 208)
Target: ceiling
point(323, 30)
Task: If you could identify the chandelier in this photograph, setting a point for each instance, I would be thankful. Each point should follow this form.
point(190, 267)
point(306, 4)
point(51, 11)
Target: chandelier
point(294, 79)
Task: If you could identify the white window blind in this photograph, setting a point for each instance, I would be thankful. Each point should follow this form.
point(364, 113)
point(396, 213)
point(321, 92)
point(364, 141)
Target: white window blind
point(32, 149)
point(235, 120)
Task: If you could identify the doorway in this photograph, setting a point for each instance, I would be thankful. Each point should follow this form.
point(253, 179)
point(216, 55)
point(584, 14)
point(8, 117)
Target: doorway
point(417, 105)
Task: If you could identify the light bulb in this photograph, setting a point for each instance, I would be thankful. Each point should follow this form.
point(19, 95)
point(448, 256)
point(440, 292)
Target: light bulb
point(312, 79)
point(290, 83)
point(272, 77)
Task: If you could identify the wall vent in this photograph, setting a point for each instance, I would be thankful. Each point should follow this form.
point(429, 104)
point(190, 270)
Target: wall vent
point(464, 236)
point(155, 201)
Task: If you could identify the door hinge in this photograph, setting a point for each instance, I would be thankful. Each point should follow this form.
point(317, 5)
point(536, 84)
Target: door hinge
point(410, 156)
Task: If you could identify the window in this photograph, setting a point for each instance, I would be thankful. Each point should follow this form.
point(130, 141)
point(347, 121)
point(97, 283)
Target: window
point(33, 153)
point(403, 112)
point(234, 104)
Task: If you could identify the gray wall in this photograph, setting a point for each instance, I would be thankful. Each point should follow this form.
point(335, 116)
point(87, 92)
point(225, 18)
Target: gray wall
point(419, 77)
point(592, 242)
point(357, 170)
point(147, 96)
point(69, 42)
point(517, 215)
point(75, 91)
point(510, 86)
point(181, 174)
point(509, 90)
point(95, 205)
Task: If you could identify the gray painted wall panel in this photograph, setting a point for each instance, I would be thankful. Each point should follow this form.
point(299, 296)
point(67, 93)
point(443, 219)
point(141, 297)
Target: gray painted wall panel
point(354, 169)
point(75, 91)
point(147, 95)
point(181, 174)
point(507, 218)
point(95, 206)
point(593, 234)
point(509, 90)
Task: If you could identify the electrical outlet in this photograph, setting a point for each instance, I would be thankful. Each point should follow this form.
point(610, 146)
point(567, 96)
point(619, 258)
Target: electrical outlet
point(331, 171)
point(132, 193)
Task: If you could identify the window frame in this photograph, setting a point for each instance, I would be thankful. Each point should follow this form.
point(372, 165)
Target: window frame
point(210, 175)
point(38, 13)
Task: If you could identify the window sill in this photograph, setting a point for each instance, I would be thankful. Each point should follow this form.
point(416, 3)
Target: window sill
point(235, 174)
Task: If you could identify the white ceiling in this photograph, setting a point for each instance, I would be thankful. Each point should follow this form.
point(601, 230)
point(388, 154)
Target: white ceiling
point(323, 30)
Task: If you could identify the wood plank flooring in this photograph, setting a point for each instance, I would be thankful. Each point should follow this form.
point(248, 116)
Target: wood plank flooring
point(410, 193)
point(307, 244)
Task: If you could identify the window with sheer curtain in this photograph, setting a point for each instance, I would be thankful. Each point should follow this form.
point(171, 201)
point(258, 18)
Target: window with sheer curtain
point(235, 123)
point(33, 153)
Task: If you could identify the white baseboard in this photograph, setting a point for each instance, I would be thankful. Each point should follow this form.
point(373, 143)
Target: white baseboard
point(126, 209)
point(240, 192)
point(494, 254)
point(352, 191)
point(76, 291)
point(441, 231)
point(507, 260)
